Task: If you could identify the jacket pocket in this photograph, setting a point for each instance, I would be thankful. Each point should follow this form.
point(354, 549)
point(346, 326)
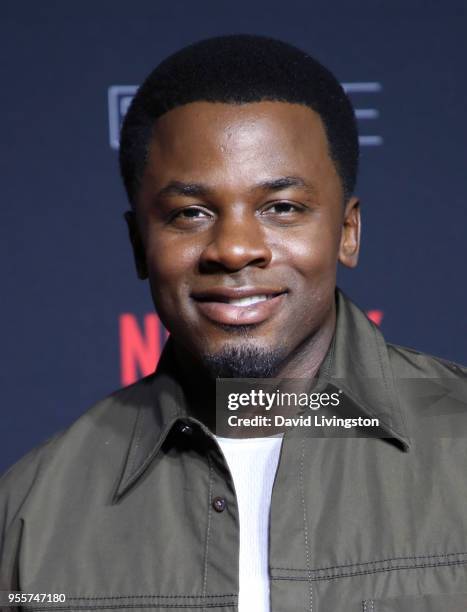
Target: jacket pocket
point(451, 602)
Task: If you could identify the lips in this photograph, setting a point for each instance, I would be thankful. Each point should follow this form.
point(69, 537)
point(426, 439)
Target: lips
point(240, 305)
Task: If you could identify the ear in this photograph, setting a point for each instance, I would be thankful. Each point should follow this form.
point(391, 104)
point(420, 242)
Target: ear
point(350, 238)
point(137, 244)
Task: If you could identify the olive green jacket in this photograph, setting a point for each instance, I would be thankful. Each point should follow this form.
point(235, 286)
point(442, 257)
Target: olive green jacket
point(121, 512)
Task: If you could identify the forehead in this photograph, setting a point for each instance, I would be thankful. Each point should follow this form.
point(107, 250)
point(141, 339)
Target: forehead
point(206, 140)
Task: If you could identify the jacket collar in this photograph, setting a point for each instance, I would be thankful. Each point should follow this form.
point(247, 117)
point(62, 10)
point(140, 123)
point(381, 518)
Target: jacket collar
point(161, 407)
point(358, 358)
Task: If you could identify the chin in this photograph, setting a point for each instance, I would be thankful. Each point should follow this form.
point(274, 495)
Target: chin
point(243, 360)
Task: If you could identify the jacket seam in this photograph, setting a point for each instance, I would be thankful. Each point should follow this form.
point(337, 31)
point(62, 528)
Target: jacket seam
point(305, 525)
point(388, 560)
point(373, 571)
point(208, 529)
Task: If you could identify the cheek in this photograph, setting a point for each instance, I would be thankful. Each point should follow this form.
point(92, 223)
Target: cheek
point(312, 254)
point(311, 261)
point(171, 265)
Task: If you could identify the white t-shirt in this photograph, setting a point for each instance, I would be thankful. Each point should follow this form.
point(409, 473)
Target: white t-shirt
point(253, 464)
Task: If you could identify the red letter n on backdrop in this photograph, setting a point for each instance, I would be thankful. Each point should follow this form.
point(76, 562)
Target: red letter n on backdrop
point(139, 348)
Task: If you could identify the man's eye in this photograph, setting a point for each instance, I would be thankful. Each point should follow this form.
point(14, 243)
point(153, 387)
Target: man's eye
point(282, 208)
point(190, 213)
point(186, 214)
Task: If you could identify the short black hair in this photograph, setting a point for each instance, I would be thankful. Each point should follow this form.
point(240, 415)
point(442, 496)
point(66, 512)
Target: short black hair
point(239, 69)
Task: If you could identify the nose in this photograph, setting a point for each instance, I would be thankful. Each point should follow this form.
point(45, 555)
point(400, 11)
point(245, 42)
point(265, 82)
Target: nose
point(236, 243)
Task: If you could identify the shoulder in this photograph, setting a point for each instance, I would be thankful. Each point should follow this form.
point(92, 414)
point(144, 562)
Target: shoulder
point(102, 432)
point(410, 363)
point(18, 480)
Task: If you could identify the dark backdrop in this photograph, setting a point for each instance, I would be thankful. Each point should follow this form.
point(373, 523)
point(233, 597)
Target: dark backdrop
point(67, 270)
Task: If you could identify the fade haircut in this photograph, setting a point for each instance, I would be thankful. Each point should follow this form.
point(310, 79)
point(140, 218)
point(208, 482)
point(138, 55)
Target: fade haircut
point(239, 69)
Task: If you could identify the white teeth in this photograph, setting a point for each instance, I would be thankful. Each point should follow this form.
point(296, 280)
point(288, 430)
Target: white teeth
point(248, 301)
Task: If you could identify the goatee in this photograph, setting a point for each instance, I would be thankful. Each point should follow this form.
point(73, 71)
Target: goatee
point(244, 361)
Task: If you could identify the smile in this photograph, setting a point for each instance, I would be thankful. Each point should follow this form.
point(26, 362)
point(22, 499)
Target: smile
point(230, 307)
point(247, 301)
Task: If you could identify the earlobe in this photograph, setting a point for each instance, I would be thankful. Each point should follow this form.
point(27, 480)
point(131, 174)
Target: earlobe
point(350, 238)
point(137, 244)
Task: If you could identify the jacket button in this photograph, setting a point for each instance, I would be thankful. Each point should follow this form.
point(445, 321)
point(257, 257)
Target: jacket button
point(186, 429)
point(219, 504)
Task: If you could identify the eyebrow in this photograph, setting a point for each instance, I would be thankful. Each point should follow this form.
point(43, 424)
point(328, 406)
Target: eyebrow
point(284, 182)
point(184, 189)
point(201, 190)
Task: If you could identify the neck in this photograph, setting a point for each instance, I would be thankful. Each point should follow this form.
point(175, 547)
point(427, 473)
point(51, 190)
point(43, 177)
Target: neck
point(306, 359)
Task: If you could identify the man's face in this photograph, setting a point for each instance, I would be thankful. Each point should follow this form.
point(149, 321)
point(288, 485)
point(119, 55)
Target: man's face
point(240, 223)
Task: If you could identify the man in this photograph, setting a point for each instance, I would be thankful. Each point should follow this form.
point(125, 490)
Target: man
point(239, 155)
